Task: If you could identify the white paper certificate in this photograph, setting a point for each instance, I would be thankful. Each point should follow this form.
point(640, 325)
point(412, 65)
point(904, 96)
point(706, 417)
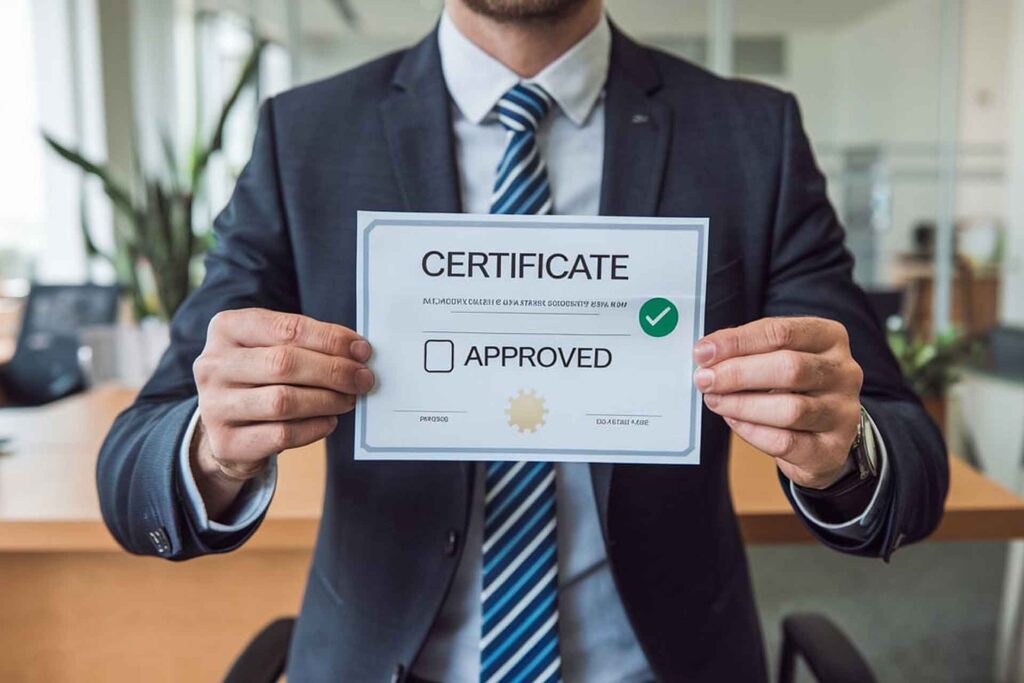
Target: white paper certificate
point(556, 338)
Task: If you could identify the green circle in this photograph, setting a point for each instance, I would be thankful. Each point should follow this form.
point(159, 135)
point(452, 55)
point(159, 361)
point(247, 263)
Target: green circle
point(658, 317)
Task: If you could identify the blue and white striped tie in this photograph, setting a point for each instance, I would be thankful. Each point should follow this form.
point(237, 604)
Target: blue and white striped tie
point(519, 633)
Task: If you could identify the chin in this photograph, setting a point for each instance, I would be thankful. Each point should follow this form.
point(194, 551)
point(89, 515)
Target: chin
point(524, 10)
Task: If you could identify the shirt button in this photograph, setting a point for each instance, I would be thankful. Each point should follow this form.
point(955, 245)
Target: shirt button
point(451, 543)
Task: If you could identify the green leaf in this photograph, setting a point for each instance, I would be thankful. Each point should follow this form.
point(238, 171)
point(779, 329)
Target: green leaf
point(898, 344)
point(204, 242)
point(119, 195)
point(171, 160)
point(924, 355)
point(155, 243)
point(91, 250)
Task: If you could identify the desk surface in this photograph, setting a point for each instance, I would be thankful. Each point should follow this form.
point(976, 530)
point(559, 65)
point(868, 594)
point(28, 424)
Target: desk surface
point(48, 498)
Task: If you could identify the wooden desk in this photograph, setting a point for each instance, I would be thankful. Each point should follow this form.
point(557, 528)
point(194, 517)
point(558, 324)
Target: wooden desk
point(48, 499)
point(76, 607)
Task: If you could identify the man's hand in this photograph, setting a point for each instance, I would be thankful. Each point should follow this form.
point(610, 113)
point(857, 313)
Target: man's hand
point(789, 387)
point(268, 382)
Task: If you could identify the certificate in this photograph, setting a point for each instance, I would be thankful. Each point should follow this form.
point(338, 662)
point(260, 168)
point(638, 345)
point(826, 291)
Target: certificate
point(554, 338)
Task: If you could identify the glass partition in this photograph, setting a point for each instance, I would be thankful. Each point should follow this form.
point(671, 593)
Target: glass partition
point(899, 98)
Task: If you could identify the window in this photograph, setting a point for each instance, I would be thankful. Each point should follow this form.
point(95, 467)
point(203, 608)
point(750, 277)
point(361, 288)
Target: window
point(53, 87)
point(22, 212)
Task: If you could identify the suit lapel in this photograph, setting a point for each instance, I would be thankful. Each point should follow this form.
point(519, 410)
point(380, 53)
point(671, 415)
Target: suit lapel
point(638, 130)
point(418, 124)
point(637, 133)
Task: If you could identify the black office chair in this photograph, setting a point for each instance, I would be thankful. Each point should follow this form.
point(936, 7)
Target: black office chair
point(45, 364)
point(829, 654)
point(263, 659)
point(1002, 353)
point(886, 303)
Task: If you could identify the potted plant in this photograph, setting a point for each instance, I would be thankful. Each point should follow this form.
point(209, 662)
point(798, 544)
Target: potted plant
point(156, 240)
point(931, 366)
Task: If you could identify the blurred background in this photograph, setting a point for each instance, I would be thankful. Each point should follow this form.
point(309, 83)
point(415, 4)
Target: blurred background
point(124, 124)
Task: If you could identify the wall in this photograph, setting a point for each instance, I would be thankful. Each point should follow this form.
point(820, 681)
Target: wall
point(984, 114)
point(888, 96)
point(886, 92)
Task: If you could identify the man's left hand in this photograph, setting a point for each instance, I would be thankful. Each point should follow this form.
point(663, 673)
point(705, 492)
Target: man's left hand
point(789, 387)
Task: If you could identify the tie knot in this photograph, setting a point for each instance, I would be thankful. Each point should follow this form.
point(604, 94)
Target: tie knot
point(523, 107)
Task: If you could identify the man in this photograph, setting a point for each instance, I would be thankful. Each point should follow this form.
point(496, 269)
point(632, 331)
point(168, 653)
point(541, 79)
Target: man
point(524, 106)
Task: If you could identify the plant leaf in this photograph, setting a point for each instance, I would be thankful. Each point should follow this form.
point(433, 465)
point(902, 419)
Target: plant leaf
point(91, 250)
point(202, 154)
point(117, 192)
point(171, 159)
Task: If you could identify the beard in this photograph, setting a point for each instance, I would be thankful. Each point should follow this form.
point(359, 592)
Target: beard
point(511, 11)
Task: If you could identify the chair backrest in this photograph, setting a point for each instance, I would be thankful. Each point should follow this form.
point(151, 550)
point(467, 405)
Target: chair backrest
point(45, 363)
point(886, 303)
point(1005, 351)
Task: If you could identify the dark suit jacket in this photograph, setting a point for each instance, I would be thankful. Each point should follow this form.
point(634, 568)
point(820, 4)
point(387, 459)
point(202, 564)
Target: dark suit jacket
point(679, 142)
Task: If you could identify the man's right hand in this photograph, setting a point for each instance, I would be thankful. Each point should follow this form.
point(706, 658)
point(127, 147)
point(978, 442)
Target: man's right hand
point(268, 382)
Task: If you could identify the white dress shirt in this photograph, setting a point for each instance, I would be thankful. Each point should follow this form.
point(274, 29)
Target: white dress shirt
point(596, 640)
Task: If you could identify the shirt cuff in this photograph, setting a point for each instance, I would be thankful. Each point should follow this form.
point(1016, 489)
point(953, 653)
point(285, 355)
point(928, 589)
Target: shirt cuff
point(860, 526)
point(252, 501)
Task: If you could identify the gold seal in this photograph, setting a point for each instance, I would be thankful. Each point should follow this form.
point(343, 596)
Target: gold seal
point(526, 411)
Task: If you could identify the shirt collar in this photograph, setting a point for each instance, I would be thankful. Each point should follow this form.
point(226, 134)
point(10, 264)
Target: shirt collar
point(477, 80)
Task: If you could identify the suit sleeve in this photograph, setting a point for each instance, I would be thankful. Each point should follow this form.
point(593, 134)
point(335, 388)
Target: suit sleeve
point(810, 273)
point(140, 489)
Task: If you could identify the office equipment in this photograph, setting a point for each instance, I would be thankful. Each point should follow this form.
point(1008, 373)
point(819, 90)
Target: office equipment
point(45, 364)
point(109, 614)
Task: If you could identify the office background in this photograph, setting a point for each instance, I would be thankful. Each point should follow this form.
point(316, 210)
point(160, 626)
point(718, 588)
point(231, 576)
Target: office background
point(914, 108)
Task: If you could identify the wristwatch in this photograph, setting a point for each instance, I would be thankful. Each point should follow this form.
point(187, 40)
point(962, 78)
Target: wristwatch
point(863, 451)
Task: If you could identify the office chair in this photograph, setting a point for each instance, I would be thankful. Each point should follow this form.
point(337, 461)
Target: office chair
point(264, 658)
point(829, 654)
point(885, 303)
point(1003, 353)
point(45, 364)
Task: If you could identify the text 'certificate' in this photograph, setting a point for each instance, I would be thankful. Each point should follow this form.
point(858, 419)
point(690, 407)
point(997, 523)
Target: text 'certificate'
point(554, 338)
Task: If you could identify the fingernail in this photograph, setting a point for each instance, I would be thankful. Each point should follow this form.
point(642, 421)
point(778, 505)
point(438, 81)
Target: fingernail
point(360, 350)
point(704, 352)
point(711, 400)
point(364, 380)
point(703, 378)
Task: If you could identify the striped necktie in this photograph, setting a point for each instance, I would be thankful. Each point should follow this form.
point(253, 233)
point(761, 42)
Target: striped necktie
point(519, 632)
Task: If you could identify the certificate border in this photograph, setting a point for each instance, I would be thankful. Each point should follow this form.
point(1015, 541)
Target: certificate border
point(375, 218)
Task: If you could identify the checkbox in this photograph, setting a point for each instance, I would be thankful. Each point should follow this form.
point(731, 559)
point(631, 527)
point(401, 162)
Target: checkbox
point(439, 355)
